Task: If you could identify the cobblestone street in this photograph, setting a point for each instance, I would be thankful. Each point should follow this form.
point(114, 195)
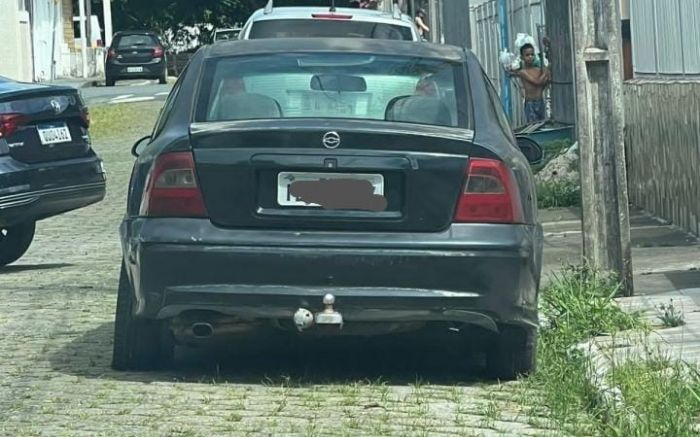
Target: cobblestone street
point(56, 341)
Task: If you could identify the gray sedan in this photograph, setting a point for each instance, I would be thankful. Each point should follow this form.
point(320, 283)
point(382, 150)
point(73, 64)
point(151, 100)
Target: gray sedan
point(330, 187)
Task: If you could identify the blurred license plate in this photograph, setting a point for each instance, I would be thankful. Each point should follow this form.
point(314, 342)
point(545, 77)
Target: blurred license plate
point(134, 69)
point(53, 134)
point(285, 179)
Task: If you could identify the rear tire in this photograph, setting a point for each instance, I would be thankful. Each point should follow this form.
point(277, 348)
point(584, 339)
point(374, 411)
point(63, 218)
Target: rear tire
point(512, 354)
point(139, 344)
point(14, 241)
point(163, 79)
point(109, 81)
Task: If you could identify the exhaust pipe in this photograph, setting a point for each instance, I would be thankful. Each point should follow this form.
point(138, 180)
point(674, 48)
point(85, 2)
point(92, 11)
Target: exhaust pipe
point(202, 330)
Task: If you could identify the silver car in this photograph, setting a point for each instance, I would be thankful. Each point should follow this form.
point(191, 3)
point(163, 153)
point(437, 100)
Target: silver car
point(308, 22)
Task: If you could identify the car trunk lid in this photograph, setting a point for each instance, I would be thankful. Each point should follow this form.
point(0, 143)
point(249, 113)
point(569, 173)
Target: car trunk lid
point(44, 125)
point(341, 176)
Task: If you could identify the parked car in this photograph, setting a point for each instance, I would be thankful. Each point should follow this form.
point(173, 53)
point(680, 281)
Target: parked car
point(136, 55)
point(304, 22)
point(323, 186)
point(47, 166)
point(226, 34)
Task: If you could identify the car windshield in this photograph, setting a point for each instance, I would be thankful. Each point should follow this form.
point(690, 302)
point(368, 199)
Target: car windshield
point(136, 40)
point(310, 28)
point(331, 85)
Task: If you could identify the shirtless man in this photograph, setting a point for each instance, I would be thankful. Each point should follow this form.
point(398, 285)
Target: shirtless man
point(535, 80)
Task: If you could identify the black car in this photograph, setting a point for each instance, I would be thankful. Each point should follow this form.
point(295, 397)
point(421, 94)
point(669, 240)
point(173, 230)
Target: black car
point(325, 187)
point(136, 55)
point(47, 166)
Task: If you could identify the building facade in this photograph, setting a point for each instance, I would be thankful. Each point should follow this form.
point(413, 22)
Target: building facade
point(15, 32)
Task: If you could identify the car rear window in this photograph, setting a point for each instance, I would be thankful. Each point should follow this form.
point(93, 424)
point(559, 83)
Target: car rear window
point(137, 40)
point(320, 28)
point(226, 34)
point(332, 85)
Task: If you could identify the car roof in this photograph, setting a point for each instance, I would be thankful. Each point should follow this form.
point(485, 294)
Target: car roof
point(299, 12)
point(347, 45)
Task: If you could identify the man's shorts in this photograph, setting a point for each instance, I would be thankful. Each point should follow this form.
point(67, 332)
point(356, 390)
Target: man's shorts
point(534, 110)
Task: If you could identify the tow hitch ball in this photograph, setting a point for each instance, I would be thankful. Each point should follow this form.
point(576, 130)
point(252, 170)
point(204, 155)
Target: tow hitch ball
point(304, 319)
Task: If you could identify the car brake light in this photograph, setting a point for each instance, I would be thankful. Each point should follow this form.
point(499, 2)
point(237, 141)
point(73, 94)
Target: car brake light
point(332, 16)
point(490, 194)
point(85, 116)
point(158, 52)
point(111, 54)
point(9, 123)
point(171, 188)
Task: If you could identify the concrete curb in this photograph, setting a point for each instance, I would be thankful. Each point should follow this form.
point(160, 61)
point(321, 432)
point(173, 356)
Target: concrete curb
point(101, 82)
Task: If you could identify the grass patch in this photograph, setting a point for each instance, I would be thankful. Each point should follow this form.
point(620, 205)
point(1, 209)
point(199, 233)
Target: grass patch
point(665, 398)
point(558, 194)
point(659, 399)
point(123, 120)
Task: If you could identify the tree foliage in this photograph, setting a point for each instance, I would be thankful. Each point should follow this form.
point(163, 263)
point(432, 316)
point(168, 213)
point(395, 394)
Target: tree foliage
point(173, 16)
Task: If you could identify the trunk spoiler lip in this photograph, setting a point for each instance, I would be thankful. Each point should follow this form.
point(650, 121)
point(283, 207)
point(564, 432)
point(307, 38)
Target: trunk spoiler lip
point(37, 93)
point(452, 133)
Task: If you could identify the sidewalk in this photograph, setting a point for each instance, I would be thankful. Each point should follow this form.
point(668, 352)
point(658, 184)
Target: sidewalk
point(78, 83)
point(663, 345)
point(663, 257)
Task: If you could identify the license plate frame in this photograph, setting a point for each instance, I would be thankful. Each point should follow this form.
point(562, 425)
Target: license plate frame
point(54, 133)
point(138, 69)
point(286, 178)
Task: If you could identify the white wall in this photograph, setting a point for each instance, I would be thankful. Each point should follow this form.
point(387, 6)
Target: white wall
point(15, 50)
point(48, 38)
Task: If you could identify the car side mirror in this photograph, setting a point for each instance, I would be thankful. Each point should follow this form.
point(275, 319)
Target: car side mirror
point(139, 145)
point(533, 152)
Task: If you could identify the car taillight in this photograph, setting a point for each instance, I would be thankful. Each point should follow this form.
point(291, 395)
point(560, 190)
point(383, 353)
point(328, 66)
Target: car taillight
point(158, 52)
point(111, 54)
point(171, 188)
point(332, 16)
point(9, 123)
point(85, 116)
point(490, 194)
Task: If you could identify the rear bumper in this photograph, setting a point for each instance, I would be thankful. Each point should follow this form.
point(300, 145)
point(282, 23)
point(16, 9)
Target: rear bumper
point(150, 70)
point(30, 192)
point(477, 274)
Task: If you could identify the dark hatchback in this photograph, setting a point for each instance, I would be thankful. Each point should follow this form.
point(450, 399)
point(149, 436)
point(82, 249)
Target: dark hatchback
point(136, 55)
point(47, 166)
point(330, 187)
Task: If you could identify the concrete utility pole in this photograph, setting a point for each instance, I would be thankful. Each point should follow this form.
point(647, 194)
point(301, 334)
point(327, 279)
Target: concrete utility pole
point(83, 48)
point(107, 17)
point(600, 121)
point(88, 22)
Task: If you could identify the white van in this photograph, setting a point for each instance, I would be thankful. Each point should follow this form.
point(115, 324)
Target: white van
point(95, 33)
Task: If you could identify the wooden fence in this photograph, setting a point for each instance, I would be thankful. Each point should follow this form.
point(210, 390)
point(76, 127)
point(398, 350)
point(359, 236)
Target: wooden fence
point(662, 137)
point(177, 62)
